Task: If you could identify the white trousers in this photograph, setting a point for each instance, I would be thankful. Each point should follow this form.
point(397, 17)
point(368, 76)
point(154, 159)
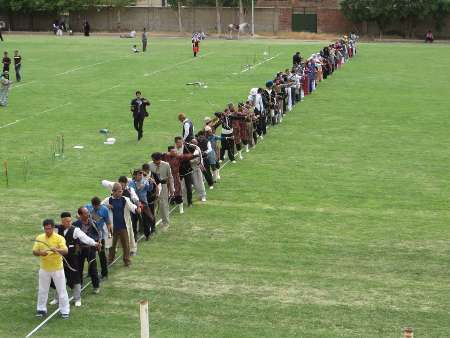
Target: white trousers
point(59, 280)
point(197, 180)
point(289, 94)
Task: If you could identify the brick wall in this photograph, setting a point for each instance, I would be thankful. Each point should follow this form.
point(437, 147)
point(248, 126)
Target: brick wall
point(332, 21)
point(285, 19)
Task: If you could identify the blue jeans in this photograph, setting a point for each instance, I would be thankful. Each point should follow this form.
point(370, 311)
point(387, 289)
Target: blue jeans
point(17, 68)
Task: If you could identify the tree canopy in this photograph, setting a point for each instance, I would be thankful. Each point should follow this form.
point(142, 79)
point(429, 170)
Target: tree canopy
point(59, 5)
point(384, 12)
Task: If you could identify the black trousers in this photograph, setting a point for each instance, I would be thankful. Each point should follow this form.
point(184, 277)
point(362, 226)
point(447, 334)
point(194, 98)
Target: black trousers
point(187, 179)
point(139, 125)
point(147, 220)
point(103, 260)
point(227, 145)
point(1, 36)
point(207, 173)
point(134, 223)
point(89, 255)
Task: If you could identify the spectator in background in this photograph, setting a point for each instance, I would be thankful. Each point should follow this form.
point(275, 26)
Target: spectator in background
point(86, 28)
point(144, 40)
point(5, 84)
point(17, 65)
point(429, 37)
point(6, 62)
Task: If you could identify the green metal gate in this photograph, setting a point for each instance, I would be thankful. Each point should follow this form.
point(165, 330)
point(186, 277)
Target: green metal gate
point(302, 22)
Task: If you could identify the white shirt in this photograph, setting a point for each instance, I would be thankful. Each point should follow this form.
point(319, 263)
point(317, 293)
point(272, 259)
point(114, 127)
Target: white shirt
point(79, 234)
point(259, 102)
point(109, 185)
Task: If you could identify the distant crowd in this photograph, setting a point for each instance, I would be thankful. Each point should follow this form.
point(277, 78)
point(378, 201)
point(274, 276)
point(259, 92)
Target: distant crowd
point(173, 176)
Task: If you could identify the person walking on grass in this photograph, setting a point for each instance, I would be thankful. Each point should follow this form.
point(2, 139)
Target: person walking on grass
point(5, 84)
point(119, 213)
point(50, 247)
point(89, 254)
point(139, 110)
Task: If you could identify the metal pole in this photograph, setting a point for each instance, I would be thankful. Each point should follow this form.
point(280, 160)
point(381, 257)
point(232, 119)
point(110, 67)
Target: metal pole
point(253, 17)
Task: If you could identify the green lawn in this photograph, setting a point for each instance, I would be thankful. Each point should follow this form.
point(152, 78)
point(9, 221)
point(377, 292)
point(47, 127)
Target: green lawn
point(335, 226)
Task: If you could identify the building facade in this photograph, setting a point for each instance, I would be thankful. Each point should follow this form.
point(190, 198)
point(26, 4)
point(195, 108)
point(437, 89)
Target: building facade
point(317, 16)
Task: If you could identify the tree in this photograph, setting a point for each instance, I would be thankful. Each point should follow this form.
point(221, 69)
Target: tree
point(410, 12)
point(218, 17)
point(439, 9)
point(356, 11)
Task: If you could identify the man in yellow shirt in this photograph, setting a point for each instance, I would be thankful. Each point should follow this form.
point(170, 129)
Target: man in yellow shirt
point(50, 247)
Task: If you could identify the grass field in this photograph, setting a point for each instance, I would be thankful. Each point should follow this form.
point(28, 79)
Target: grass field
point(335, 226)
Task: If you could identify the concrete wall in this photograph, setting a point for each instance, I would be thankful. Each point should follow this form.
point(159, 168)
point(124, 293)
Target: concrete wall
point(267, 19)
point(166, 19)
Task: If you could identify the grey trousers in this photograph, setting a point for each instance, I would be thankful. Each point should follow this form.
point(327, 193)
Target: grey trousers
point(163, 201)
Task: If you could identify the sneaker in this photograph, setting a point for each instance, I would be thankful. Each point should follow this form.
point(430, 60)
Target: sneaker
point(78, 303)
point(220, 161)
point(96, 291)
point(54, 302)
point(203, 199)
point(211, 187)
point(41, 314)
point(233, 161)
point(64, 315)
point(103, 278)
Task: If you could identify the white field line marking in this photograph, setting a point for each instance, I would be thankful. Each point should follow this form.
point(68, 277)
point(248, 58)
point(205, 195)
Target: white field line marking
point(69, 71)
point(23, 84)
point(36, 114)
point(91, 65)
point(259, 63)
point(9, 124)
point(177, 64)
point(107, 89)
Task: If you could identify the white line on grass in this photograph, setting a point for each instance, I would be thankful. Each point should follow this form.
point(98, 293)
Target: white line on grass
point(259, 63)
point(90, 65)
point(54, 313)
point(24, 84)
point(177, 64)
point(9, 124)
point(36, 114)
point(107, 89)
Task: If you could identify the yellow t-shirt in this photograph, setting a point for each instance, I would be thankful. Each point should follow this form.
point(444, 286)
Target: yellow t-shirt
point(53, 261)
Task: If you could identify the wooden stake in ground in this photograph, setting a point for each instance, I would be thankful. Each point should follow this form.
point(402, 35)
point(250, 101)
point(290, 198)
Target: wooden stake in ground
point(145, 324)
point(5, 165)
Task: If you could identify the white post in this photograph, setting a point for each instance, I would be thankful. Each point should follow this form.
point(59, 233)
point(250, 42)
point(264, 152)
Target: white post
point(145, 325)
point(253, 17)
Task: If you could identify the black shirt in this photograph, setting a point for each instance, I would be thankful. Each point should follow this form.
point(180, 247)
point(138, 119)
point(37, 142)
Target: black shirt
point(17, 59)
point(138, 107)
